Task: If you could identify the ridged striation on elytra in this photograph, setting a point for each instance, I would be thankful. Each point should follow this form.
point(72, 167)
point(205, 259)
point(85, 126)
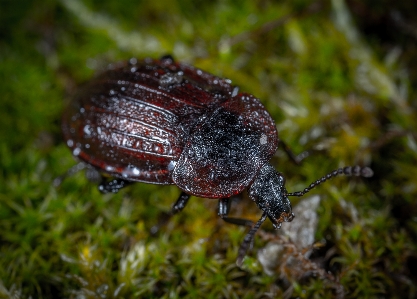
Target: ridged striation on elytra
point(162, 122)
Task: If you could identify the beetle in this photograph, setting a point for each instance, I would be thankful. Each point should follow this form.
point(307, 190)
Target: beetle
point(163, 122)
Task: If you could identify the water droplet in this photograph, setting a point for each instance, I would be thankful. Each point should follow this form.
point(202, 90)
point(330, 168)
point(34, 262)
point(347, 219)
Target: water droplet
point(263, 140)
point(87, 130)
point(171, 79)
point(171, 165)
point(76, 151)
point(70, 142)
point(235, 91)
point(109, 168)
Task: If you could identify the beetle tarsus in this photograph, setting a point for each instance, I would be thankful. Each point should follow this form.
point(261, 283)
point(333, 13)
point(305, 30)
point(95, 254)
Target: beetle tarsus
point(247, 241)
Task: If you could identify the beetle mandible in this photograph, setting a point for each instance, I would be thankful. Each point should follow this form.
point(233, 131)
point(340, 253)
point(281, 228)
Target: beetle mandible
point(163, 122)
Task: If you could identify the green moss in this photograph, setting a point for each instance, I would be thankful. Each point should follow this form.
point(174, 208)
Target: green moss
point(330, 88)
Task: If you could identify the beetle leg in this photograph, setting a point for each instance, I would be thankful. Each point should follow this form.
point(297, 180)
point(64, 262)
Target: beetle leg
point(248, 241)
point(112, 185)
point(180, 204)
point(224, 208)
point(293, 157)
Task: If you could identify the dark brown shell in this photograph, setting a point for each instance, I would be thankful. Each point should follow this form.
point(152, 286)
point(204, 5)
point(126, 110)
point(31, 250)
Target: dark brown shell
point(134, 121)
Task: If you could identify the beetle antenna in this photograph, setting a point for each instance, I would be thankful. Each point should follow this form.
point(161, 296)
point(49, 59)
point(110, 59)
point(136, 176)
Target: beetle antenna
point(348, 170)
point(247, 241)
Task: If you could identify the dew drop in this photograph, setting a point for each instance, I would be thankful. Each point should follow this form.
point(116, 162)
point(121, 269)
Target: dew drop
point(263, 140)
point(171, 78)
point(109, 168)
point(87, 130)
point(235, 91)
point(76, 151)
point(171, 165)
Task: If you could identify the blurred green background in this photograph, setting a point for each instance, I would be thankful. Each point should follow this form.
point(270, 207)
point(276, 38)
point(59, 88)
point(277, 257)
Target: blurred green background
point(338, 77)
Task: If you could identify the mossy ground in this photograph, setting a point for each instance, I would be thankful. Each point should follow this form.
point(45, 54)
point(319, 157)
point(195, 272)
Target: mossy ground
point(332, 83)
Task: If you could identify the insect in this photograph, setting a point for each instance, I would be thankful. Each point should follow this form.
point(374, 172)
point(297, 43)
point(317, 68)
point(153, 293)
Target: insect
point(163, 122)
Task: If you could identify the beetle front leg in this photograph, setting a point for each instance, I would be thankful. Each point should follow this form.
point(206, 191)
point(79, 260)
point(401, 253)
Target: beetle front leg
point(224, 208)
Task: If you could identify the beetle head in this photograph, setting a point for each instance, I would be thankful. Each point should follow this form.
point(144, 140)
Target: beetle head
point(269, 193)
